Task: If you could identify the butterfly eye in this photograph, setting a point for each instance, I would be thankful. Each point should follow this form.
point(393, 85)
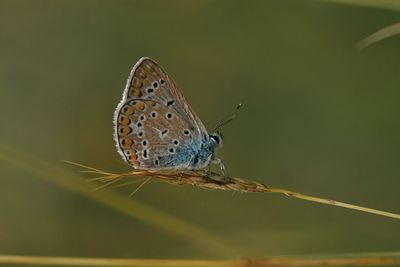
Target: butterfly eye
point(215, 138)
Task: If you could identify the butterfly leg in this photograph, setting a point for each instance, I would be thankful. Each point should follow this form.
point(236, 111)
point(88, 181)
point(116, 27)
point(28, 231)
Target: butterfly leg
point(208, 172)
point(224, 171)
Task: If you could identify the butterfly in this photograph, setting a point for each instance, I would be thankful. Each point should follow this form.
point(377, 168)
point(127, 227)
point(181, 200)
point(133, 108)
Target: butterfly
point(156, 129)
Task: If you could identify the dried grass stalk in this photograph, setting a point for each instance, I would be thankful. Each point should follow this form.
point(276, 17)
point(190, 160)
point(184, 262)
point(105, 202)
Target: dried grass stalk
point(360, 260)
point(215, 181)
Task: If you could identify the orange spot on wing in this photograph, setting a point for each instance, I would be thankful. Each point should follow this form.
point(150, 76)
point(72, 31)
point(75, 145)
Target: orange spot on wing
point(133, 155)
point(137, 83)
point(128, 110)
point(126, 142)
point(142, 75)
point(126, 130)
point(140, 105)
point(123, 120)
point(137, 92)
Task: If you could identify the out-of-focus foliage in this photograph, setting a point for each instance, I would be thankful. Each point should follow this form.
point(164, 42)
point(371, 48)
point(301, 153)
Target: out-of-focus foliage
point(319, 118)
point(384, 4)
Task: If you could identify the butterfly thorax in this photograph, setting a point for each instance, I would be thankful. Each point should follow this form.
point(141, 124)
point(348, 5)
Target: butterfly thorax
point(207, 151)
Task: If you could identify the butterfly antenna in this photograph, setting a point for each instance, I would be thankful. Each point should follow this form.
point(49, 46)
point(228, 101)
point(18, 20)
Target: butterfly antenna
point(228, 119)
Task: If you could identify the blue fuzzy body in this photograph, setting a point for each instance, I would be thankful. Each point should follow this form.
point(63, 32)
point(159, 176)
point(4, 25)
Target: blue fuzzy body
point(193, 156)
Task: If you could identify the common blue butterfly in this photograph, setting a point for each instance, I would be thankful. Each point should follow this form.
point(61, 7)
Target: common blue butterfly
point(156, 129)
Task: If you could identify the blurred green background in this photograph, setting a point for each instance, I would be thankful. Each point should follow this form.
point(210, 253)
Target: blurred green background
point(318, 118)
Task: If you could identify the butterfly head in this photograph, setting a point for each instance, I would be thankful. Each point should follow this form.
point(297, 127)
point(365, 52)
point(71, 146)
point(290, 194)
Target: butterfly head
point(217, 139)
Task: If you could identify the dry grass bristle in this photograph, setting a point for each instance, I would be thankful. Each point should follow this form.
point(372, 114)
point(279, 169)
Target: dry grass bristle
point(212, 180)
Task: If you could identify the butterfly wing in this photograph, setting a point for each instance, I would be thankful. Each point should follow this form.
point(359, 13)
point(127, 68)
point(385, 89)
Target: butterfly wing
point(154, 126)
